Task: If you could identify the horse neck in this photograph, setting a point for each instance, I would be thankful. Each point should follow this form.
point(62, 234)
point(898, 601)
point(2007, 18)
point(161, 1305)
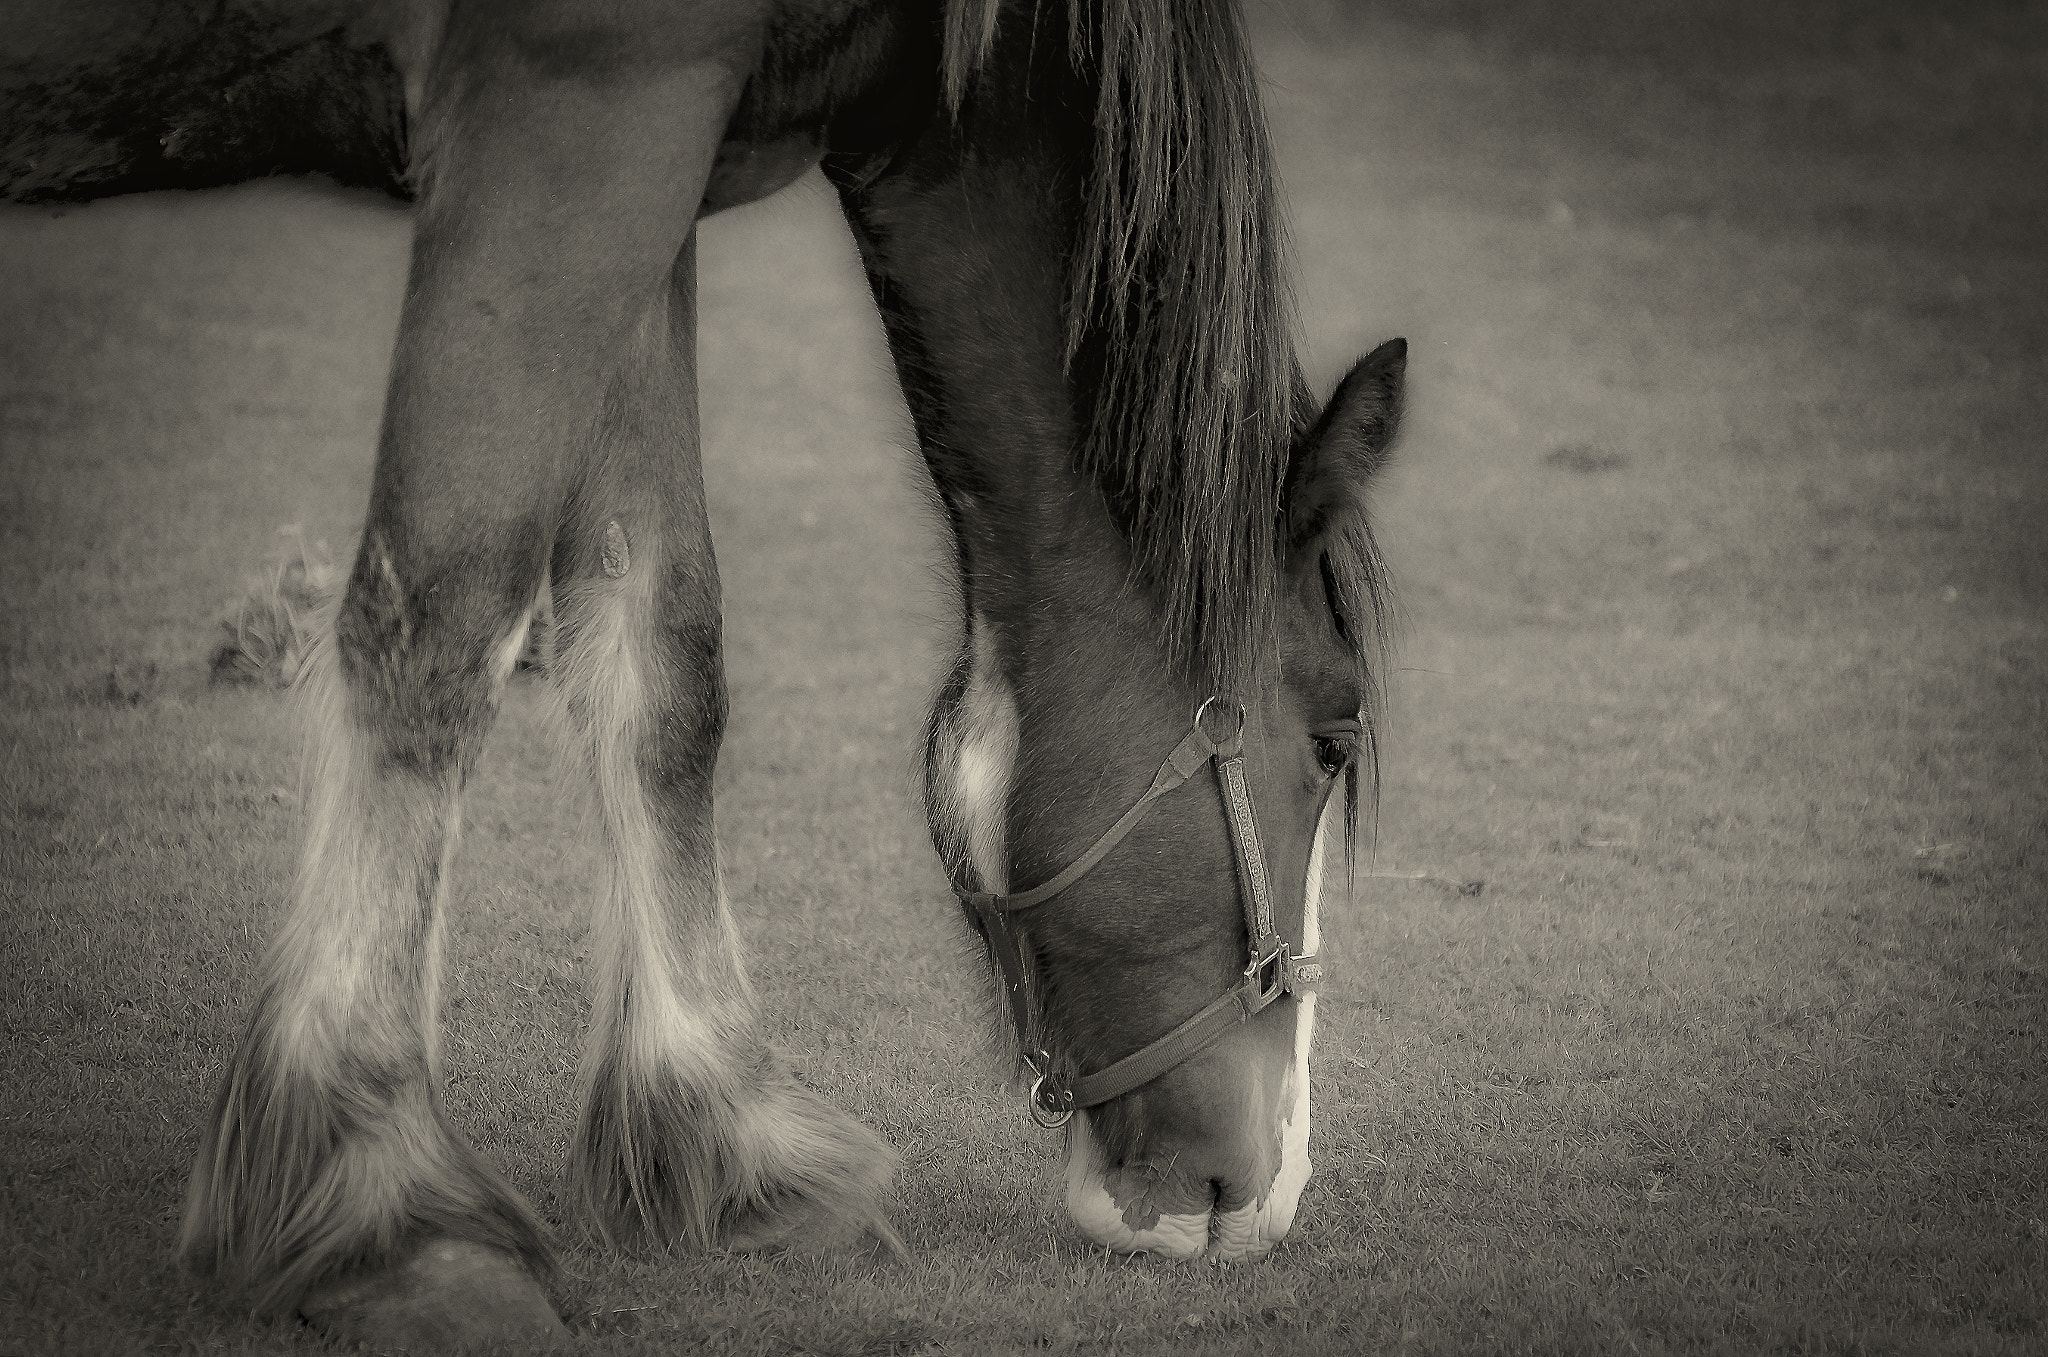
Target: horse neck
point(966, 242)
point(1043, 565)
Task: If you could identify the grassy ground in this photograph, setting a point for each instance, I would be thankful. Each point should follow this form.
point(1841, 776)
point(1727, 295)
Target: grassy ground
point(1719, 535)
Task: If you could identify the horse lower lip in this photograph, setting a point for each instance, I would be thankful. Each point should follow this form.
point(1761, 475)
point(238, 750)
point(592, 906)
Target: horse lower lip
point(1224, 1236)
point(1143, 1221)
point(1235, 1236)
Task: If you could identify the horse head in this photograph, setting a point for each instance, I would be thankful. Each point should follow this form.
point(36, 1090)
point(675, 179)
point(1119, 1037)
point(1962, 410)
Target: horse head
point(1149, 863)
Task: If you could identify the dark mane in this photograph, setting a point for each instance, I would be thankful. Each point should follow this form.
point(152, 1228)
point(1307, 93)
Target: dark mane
point(1178, 315)
point(1356, 577)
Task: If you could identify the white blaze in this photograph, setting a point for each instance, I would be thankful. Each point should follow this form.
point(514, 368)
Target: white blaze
point(1277, 1213)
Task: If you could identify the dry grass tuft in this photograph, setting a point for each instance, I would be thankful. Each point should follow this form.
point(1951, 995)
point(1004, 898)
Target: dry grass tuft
point(1585, 458)
point(272, 627)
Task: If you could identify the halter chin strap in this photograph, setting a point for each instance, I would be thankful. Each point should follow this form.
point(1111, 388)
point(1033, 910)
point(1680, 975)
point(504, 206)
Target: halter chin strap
point(1271, 968)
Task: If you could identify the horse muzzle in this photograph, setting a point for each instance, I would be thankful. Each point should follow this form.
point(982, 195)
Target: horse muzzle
point(1229, 1194)
point(1173, 1213)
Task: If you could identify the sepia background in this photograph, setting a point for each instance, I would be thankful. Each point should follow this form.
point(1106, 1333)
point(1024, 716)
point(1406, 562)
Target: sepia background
point(1718, 527)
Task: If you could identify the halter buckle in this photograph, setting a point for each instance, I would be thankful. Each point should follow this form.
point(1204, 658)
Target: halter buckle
point(1270, 973)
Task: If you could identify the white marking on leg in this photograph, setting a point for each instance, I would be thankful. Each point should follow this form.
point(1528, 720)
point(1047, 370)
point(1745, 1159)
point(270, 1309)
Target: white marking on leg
point(511, 648)
point(692, 1131)
point(352, 945)
point(354, 966)
point(644, 963)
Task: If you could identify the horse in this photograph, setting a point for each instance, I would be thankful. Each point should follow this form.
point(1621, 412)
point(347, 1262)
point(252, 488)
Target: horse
point(1162, 544)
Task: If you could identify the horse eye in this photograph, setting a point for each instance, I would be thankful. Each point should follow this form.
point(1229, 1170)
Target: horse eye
point(1333, 754)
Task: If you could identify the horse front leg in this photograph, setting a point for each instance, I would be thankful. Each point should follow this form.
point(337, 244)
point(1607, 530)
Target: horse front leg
point(693, 1130)
point(329, 1177)
point(540, 380)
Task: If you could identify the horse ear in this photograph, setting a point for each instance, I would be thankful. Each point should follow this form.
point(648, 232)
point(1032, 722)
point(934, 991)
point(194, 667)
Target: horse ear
point(1335, 461)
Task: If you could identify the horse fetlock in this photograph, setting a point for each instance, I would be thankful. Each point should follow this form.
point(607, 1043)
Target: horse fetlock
point(301, 1179)
point(746, 1160)
point(817, 1180)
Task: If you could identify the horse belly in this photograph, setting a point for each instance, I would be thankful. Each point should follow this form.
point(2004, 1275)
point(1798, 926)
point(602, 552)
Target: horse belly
point(113, 96)
point(832, 77)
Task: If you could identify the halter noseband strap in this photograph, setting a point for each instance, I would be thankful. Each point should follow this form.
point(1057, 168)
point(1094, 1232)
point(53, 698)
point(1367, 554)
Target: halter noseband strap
point(1270, 971)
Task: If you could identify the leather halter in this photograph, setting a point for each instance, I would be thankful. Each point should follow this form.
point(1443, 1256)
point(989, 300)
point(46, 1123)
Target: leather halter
point(1271, 968)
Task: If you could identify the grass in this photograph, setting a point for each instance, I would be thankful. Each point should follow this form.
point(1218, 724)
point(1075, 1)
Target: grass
point(1717, 530)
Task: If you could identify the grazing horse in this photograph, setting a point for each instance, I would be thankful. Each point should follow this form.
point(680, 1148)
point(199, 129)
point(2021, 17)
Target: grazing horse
point(1159, 718)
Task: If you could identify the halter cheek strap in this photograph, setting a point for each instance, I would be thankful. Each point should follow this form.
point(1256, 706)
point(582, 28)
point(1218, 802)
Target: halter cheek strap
point(1271, 969)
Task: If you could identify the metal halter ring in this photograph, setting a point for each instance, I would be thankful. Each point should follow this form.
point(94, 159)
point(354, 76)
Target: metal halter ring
point(1203, 710)
point(1045, 1116)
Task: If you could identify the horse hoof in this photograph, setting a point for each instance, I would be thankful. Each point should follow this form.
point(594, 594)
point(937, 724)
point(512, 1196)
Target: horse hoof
point(450, 1296)
point(820, 1231)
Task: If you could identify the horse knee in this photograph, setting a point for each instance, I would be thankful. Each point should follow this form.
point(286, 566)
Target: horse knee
point(423, 647)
